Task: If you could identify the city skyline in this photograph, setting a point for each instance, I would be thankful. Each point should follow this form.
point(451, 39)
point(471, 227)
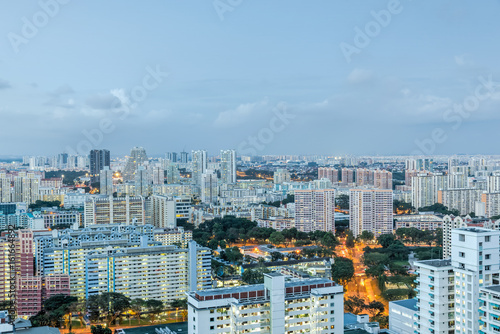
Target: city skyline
point(231, 71)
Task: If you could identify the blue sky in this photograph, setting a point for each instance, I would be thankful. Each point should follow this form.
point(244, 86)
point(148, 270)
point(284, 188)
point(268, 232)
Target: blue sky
point(228, 77)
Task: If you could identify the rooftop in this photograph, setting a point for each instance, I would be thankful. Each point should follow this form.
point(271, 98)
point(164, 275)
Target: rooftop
point(407, 303)
point(493, 288)
point(435, 263)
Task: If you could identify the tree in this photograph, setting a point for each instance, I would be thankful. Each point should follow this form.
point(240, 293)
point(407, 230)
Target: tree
point(254, 276)
point(375, 307)
point(179, 303)
point(276, 238)
point(385, 240)
point(354, 305)
point(232, 255)
point(349, 240)
point(213, 244)
point(342, 201)
point(154, 307)
point(100, 330)
point(275, 256)
point(111, 305)
point(54, 309)
point(342, 270)
point(366, 236)
point(137, 306)
point(329, 240)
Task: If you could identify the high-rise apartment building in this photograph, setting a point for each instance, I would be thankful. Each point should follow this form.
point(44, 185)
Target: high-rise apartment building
point(184, 157)
point(199, 167)
point(489, 310)
point(158, 175)
point(347, 176)
point(435, 297)
point(475, 259)
point(425, 187)
point(364, 177)
point(281, 175)
point(114, 210)
point(277, 306)
point(382, 179)
point(371, 210)
point(98, 159)
point(491, 203)
point(142, 182)
point(328, 173)
point(464, 200)
point(209, 187)
point(26, 186)
point(137, 157)
point(106, 181)
point(163, 211)
point(125, 259)
point(228, 166)
point(173, 174)
point(4, 188)
point(172, 156)
point(315, 210)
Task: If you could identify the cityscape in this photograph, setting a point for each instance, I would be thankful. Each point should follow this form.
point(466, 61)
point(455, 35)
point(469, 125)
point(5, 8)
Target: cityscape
point(238, 167)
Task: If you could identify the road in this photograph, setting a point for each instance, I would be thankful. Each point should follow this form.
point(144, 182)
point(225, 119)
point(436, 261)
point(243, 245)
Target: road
point(361, 285)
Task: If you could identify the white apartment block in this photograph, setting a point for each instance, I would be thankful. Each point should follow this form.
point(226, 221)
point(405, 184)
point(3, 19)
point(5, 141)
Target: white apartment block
point(173, 236)
point(475, 259)
point(382, 179)
point(228, 166)
point(114, 210)
point(5, 188)
point(106, 181)
point(281, 176)
point(162, 211)
point(493, 182)
point(464, 200)
point(209, 187)
point(276, 307)
point(421, 221)
point(491, 203)
point(403, 316)
point(425, 187)
point(435, 297)
point(489, 310)
point(371, 210)
point(326, 173)
point(315, 210)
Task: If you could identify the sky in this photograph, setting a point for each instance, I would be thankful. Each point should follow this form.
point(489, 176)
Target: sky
point(262, 77)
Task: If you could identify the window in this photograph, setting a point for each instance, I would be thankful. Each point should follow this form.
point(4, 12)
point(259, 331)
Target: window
point(461, 254)
point(212, 327)
point(487, 268)
point(211, 319)
point(487, 238)
point(461, 237)
point(487, 256)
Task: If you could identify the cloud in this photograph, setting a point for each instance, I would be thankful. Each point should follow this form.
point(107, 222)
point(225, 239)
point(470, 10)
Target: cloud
point(359, 76)
point(103, 101)
point(4, 84)
point(62, 90)
point(240, 114)
point(463, 60)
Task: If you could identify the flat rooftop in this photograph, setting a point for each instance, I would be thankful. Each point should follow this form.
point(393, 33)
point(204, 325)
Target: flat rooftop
point(494, 288)
point(407, 303)
point(435, 263)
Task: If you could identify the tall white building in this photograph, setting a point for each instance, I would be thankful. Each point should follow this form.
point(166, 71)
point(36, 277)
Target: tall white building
point(228, 166)
point(142, 182)
point(199, 167)
point(328, 173)
point(26, 188)
point(209, 188)
point(425, 187)
point(489, 310)
point(464, 200)
point(281, 175)
point(371, 210)
point(277, 306)
point(315, 210)
point(382, 179)
point(158, 175)
point(106, 181)
point(435, 297)
point(114, 210)
point(163, 211)
point(4, 188)
point(475, 259)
